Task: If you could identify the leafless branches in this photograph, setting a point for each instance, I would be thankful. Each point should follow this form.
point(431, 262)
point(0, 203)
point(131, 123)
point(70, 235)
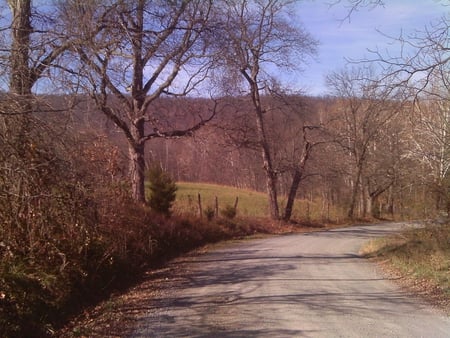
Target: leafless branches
point(365, 109)
point(422, 64)
point(355, 5)
point(254, 36)
point(134, 53)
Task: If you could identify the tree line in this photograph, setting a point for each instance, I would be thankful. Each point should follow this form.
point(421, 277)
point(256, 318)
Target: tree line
point(365, 157)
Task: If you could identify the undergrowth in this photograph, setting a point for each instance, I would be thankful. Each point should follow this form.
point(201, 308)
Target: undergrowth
point(70, 234)
point(37, 298)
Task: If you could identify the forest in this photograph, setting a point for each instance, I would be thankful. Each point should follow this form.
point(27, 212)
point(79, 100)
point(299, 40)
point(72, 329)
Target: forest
point(97, 93)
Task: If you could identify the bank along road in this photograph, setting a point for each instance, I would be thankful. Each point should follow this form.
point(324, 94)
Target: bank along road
point(310, 285)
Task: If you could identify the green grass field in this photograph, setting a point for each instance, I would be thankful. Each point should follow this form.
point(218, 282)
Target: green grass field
point(250, 203)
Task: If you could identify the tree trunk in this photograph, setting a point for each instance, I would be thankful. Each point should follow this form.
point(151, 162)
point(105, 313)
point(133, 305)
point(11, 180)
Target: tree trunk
point(391, 208)
point(367, 200)
point(296, 179)
point(273, 199)
point(20, 81)
point(271, 177)
point(355, 190)
point(376, 209)
point(137, 172)
point(136, 150)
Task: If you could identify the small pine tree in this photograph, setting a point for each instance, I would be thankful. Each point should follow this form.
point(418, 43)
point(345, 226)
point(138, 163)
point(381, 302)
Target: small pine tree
point(162, 192)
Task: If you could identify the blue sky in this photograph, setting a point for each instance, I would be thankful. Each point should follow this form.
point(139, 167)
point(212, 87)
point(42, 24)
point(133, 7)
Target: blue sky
point(352, 38)
point(342, 39)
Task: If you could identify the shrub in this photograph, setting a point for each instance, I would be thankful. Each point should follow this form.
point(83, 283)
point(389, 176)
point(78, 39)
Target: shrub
point(47, 220)
point(209, 213)
point(229, 212)
point(162, 190)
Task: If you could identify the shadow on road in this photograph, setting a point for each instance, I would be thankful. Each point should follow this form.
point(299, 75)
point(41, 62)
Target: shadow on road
point(229, 293)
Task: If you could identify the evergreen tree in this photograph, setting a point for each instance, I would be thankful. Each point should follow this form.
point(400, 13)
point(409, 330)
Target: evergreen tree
point(162, 190)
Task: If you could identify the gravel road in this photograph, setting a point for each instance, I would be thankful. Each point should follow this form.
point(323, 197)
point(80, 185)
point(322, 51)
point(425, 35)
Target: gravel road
point(310, 285)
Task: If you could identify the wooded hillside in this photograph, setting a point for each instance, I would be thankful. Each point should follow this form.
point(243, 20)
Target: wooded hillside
point(398, 179)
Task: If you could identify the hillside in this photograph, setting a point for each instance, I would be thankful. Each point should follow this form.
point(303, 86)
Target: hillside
point(250, 203)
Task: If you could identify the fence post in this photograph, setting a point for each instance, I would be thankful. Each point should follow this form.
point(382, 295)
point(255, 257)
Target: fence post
point(216, 207)
point(200, 206)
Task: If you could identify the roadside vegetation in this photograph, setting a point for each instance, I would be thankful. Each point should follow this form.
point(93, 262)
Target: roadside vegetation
point(77, 245)
point(420, 256)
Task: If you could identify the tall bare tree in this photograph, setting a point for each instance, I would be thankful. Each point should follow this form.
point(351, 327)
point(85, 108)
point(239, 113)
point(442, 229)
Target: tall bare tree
point(422, 66)
point(430, 144)
point(297, 169)
point(134, 52)
point(363, 109)
point(258, 35)
point(294, 132)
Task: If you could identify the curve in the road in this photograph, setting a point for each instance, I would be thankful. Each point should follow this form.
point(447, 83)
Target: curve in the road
point(310, 285)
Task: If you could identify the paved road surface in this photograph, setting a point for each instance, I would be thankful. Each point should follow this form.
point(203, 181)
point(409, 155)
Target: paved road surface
point(312, 285)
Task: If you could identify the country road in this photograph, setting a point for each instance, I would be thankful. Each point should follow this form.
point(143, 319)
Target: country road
point(310, 285)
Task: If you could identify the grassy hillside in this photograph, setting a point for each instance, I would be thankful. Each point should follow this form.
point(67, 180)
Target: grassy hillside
point(250, 203)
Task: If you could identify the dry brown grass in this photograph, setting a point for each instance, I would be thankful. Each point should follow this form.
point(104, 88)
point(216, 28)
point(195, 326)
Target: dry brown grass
point(419, 258)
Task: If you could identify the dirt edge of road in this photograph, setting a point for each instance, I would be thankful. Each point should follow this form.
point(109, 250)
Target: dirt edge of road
point(423, 288)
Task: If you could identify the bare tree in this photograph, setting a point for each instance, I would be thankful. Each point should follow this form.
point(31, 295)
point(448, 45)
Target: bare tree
point(363, 110)
point(21, 30)
point(430, 145)
point(422, 67)
point(423, 59)
point(46, 218)
point(298, 169)
point(134, 52)
point(258, 35)
point(293, 134)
